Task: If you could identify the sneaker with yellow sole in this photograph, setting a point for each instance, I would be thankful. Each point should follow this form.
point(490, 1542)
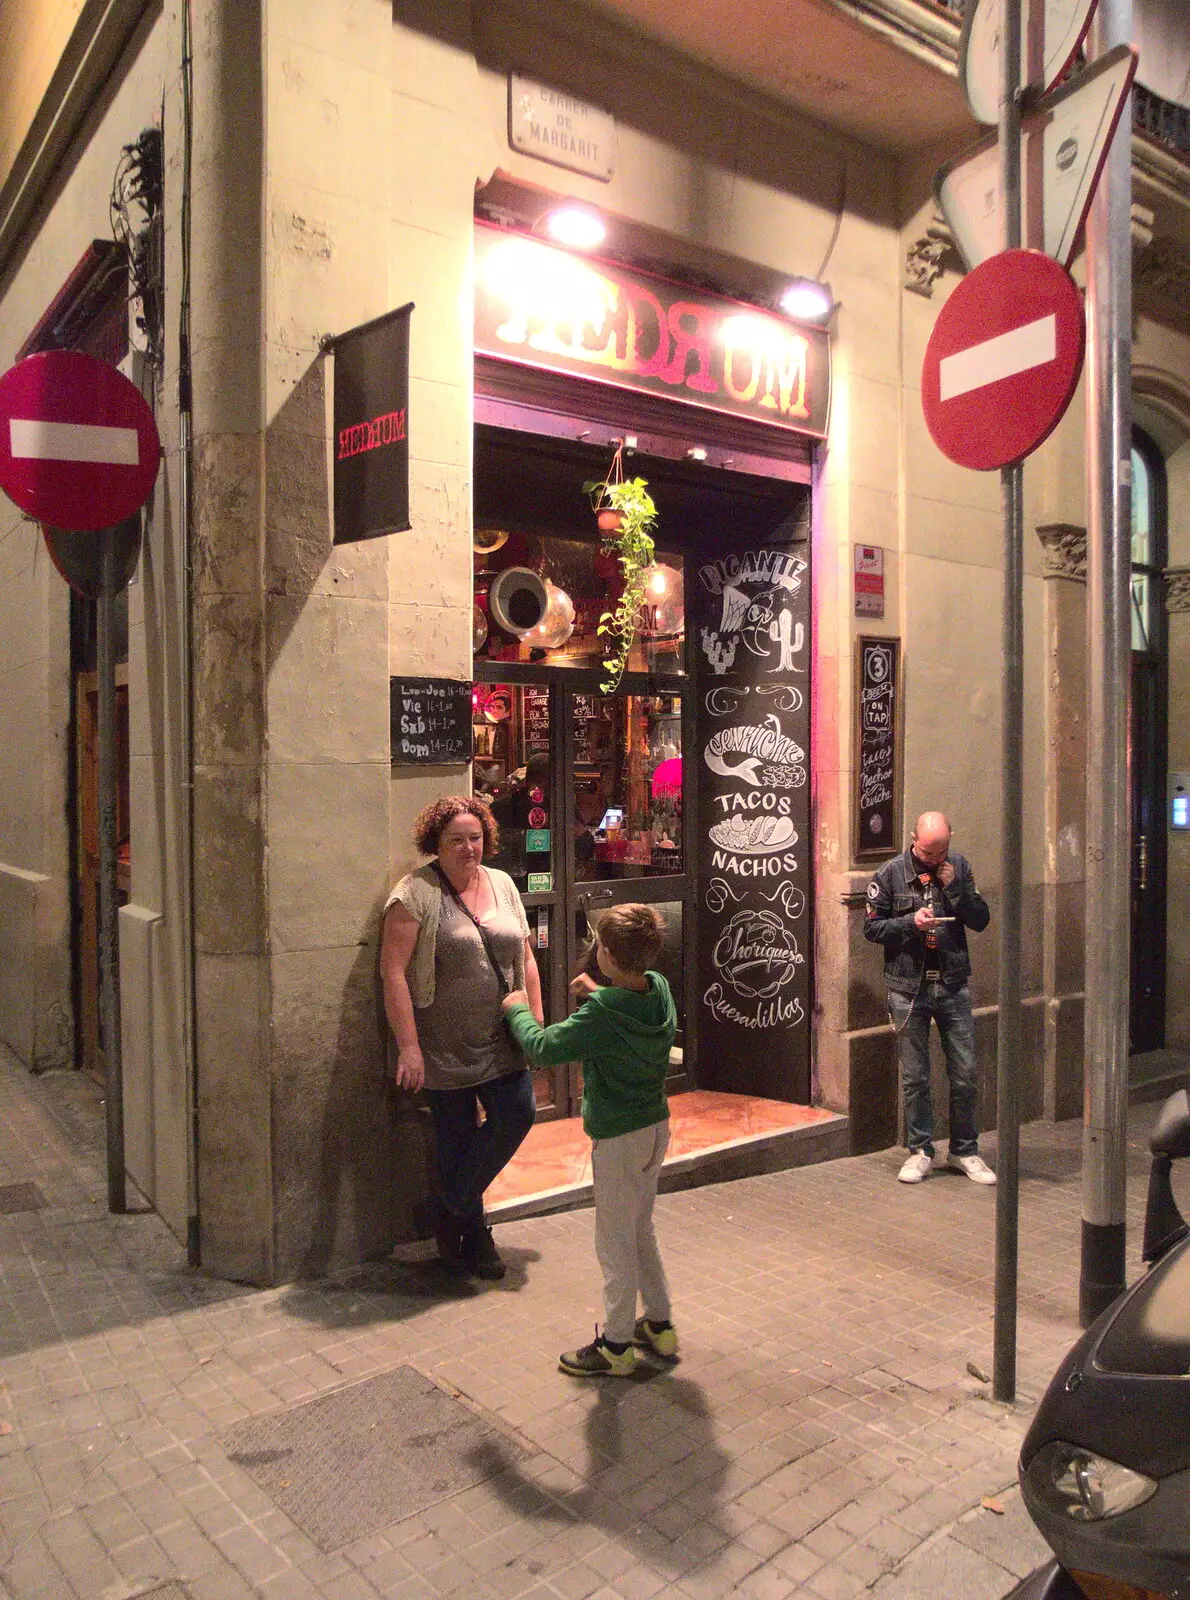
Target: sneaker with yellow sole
point(598, 1360)
point(659, 1337)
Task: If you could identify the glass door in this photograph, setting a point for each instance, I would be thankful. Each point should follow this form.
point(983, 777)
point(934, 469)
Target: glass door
point(517, 768)
point(628, 832)
point(589, 794)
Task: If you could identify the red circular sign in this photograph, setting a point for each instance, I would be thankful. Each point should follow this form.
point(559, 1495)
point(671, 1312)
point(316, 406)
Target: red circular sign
point(537, 818)
point(78, 445)
point(1004, 360)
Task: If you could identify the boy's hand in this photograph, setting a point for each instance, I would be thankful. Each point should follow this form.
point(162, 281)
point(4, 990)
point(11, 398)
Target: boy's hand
point(583, 985)
point(518, 997)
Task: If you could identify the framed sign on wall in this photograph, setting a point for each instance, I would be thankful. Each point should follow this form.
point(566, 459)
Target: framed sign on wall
point(877, 748)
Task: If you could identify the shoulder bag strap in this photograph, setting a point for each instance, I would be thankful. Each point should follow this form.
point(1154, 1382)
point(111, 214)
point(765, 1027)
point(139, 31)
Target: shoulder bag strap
point(501, 980)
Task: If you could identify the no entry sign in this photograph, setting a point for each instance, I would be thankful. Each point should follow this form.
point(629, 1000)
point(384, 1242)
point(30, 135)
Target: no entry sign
point(1004, 360)
point(78, 445)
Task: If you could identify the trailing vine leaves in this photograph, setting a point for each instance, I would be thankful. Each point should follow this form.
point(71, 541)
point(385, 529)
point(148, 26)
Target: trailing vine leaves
point(632, 543)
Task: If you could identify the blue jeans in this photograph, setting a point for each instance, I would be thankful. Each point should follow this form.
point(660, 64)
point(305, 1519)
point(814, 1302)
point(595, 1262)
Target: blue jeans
point(470, 1153)
point(951, 1010)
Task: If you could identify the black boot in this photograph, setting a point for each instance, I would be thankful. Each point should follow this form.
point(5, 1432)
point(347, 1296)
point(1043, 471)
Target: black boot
point(448, 1237)
point(479, 1252)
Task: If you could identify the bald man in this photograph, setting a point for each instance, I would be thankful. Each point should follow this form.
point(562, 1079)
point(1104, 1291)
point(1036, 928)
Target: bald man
point(920, 906)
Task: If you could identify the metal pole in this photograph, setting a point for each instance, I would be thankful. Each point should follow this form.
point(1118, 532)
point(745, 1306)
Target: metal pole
point(1008, 1032)
point(109, 988)
point(1109, 683)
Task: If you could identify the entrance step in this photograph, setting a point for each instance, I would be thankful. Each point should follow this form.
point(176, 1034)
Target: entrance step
point(1156, 1074)
point(715, 1137)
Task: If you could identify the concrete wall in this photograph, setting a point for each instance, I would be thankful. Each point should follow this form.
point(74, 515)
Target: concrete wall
point(1159, 32)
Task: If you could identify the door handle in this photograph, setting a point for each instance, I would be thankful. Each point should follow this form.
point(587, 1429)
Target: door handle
point(598, 897)
point(1142, 863)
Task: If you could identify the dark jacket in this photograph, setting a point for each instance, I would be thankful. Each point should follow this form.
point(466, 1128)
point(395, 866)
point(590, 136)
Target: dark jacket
point(896, 894)
point(623, 1040)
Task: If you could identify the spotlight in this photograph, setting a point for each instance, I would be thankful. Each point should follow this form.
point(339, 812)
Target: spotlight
point(808, 301)
point(576, 227)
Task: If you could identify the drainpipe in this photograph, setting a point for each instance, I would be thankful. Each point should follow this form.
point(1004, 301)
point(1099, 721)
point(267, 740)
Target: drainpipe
point(185, 521)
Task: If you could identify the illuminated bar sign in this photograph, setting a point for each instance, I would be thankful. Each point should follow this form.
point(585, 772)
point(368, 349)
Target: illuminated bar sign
point(546, 307)
point(371, 442)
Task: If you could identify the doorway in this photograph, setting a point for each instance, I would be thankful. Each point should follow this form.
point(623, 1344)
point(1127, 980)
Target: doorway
point(90, 1045)
point(686, 786)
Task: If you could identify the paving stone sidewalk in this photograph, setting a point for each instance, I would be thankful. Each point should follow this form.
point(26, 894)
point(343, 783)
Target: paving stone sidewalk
point(821, 1437)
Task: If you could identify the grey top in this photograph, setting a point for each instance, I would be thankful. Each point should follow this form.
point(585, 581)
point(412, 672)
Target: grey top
point(420, 893)
point(461, 1032)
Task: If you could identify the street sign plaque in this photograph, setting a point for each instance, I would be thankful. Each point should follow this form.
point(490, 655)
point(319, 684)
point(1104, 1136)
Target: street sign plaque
point(1051, 33)
point(78, 444)
point(1003, 361)
point(1064, 143)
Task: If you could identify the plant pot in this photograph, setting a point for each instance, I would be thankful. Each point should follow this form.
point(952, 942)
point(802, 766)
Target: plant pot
point(609, 520)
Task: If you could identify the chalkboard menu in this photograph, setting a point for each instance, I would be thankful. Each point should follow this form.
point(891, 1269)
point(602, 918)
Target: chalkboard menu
point(536, 705)
point(584, 711)
point(430, 720)
point(749, 611)
point(877, 713)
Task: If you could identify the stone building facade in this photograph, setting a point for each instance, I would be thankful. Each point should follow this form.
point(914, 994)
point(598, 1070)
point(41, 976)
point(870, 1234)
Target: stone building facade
point(321, 166)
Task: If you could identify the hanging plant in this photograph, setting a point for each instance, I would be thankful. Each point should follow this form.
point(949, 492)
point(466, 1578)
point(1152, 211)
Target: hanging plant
point(627, 516)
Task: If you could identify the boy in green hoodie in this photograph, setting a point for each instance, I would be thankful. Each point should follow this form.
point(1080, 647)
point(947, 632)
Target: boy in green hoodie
point(622, 1033)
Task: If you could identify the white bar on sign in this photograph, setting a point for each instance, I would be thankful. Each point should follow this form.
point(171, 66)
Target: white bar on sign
point(1031, 345)
point(35, 440)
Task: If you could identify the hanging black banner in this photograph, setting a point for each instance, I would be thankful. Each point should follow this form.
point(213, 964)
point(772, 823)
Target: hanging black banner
point(372, 428)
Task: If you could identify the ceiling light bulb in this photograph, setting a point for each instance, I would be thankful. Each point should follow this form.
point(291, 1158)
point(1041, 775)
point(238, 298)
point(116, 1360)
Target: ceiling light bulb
point(579, 229)
point(810, 302)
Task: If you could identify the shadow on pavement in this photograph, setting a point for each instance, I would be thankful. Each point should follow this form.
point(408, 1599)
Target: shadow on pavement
point(392, 1290)
point(654, 1423)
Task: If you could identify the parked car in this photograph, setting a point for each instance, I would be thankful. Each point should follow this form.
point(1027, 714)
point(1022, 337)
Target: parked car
point(1105, 1467)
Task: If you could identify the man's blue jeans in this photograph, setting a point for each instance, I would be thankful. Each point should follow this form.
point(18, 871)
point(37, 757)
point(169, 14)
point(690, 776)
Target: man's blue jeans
point(470, 1153)
point(951, 1010)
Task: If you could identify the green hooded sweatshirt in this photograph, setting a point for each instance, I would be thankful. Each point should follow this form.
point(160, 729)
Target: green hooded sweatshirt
point(622, 1039)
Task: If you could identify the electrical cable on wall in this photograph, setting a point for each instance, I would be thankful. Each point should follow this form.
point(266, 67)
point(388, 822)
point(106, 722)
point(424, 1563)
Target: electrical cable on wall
point(136, 209)
point(840, 208)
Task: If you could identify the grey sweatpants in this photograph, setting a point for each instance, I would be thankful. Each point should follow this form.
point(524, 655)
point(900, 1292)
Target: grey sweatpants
point(625, 1172)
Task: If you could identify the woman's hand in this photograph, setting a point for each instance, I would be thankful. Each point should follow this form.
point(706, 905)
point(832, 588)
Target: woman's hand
point(583, 985)
point(411, 1067)
point(518, 997)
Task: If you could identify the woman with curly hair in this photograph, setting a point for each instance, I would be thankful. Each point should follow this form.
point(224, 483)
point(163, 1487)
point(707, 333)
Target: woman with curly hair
point(456, 940)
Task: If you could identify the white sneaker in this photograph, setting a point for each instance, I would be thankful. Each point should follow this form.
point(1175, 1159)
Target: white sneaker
point(973, 1167)
point(916, 1168)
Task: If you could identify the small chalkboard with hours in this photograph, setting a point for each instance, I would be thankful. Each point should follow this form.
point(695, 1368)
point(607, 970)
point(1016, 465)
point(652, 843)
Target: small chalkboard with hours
point(877, 716)
point(430, 720)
